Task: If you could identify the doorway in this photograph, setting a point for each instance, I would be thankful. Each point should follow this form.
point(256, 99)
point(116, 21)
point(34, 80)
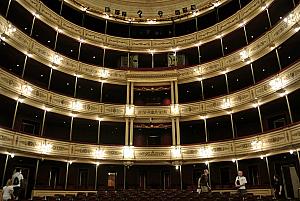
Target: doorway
point(111, 180)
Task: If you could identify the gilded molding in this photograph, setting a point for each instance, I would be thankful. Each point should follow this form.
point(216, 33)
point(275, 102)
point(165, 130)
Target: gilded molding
point(278, 34)
point(15, 87)
point(271, 143)
point(143, 45)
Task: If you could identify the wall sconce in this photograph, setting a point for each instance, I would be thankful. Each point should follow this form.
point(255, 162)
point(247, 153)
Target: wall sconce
point(56, 59)
point(26, 90)
point(244, 55)
point(226, 103)
point(205, 152)
point(176, 152)
point(99, 153)
point(10, 29)
point(103, 73)
point(175, 109)
point(277, 83)
point(128, 152)
point(256, 144)
point(129, 110)
point(75, 105)
point(44, 148)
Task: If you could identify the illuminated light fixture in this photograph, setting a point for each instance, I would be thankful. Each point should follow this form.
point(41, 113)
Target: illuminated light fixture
point(149, 21)
point(28, 54)
point(219, 36)
point(264, 6)
point(26, 90)
point(81, 40)
point(106, 16)
point(177, 167)
point(216, 4)
point(177, 12)
point(100, 119)
point(56, 59)
point(160, 13)
point(203, 116)
point(10, 29)
point(206, 162)
point(84, 9)
point(241, 24)
point(70, 162)
point(37, 15)
point(205, 152)
point(255, 105)
point(291, 19)
point(256, 144)
point(198, 44)
point(277, 83)
point(12, 155)
point(175, 109)
point(176, 152)
point(291, 151)
point(103, 73)
point(226, 103)
point(97, 164)
point(297, 28)
point(140, 13)
point(175, 49)
point(129, 110)
point(244, 55)
point(99, 153)
point(261, 157)
point(20, 99)
point(44, 148)
point(75, 105)
point(151, 51)
point(128, 152)
point(233, 160)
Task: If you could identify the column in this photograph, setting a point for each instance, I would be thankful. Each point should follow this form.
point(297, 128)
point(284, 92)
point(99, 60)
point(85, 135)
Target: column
point(131, 93)
point(260, 119)
point(99, 132)
point(205, 129)
point(232, 126)
point(15, 114)
point(268, 169)
point(43, 122)
point(180, 172)
point(173, 132)
point(36, 172)
point(128, 93)
point(4, 170)
point(176, 91)
point(172, 92)
point(124, 178)
point(289, 108)
point(71, 128)
point(177, 131)
point(67, 175)
point(126, 131)
point(96, 177)
point(131, 132)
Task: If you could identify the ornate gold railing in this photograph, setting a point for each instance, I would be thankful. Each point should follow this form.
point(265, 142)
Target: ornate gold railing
point(270, 143)
point(266, 91)
point(255, 50)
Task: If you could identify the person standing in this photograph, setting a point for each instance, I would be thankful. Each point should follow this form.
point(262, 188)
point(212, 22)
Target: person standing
point(240, 183)
point(18, 181)
point(203, 184)
point(277, 187)
point(7, 193)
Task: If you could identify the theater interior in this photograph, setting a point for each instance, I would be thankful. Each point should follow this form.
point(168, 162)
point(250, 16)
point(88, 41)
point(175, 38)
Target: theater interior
point(132, 100)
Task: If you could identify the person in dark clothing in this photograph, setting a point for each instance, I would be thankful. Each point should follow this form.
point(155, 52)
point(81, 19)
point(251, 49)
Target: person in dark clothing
point(203, 184)
point(277, 187)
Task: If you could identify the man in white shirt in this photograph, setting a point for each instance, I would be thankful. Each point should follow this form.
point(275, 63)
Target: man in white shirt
point(17, 179)
point(240, 183)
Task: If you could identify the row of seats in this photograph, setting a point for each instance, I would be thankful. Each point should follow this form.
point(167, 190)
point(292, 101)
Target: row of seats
point(153, 195)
